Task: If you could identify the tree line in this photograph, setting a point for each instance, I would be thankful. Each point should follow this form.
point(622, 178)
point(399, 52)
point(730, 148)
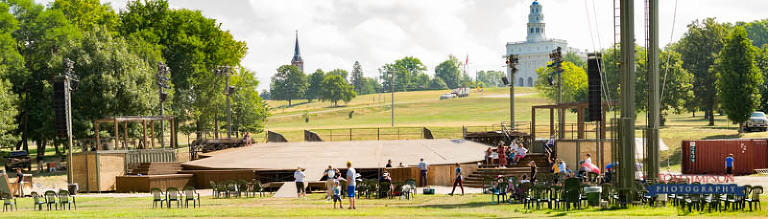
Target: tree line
point(116, 56)
point(406, 74)
point(714, 68)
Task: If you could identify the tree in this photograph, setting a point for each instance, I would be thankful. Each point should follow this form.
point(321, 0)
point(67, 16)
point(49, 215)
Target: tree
point(335, 88)
point(449, 72)
point(87, 14)
point(369, 86)
point(574, 87)
point(437, 84)
point(288, 84)
point(761, 60)
point(405, 70)
point(738, 78)
point(757, 31)
point(699, 48)
point(192, 46)
point(357, 77)
point(248, 108)
point(677, 88)
point(7, 114)
point(340, 72)
point(490, 78)
point(575, 58)
point(315, 80)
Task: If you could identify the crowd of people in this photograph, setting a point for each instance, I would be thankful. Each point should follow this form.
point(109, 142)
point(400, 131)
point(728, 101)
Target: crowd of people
point(508, 155)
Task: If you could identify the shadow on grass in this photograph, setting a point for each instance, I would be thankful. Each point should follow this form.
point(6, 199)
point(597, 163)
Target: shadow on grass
point(459, 205)
point(733, 136)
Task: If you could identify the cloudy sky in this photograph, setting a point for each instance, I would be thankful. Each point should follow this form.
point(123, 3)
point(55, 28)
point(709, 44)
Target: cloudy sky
point(336, 33)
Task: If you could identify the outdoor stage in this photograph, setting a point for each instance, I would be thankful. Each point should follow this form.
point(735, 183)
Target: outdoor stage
point(316, 156)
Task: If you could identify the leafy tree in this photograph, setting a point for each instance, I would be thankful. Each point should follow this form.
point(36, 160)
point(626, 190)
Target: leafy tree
point(449, 72)
point(340, 72)
point(7, 114)
point(369, 86)
point(575, 59)
point(192, 45)
point(288, 84)
point(357, 77)
point(315, 80)
point(574, 86)
point(738, 77)
point(88, 14)
point(405, 70)
point(761, 60)
point(248, 108)
point(335, 88)
point(757, 31)
point(677, 83)
point(699, 48)
point(437, 84)
point(490, 78)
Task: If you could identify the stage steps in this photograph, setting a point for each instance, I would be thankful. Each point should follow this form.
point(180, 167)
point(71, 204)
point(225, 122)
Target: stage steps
point(475, 179)
point(157, 169)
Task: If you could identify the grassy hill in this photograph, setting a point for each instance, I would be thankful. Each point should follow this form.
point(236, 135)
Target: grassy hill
point(425, 109)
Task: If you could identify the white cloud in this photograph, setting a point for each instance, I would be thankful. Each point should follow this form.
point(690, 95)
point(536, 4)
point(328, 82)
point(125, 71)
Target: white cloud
point(335, 33)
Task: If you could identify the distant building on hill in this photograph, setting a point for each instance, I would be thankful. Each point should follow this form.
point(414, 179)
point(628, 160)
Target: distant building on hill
point(534, 51)
point(297, 60)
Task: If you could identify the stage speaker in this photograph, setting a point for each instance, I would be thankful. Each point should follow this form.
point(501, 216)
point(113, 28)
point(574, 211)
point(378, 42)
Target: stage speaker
point(594, 89)
point(60, 100)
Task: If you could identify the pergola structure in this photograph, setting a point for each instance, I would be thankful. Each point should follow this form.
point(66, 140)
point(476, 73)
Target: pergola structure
point(580, 107)
point(139, 119)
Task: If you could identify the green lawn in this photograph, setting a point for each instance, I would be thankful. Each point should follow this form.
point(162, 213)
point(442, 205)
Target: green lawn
point(423, 206)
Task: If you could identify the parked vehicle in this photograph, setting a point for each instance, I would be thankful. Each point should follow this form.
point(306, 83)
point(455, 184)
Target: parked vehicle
point(18, 159)
point(447, 96)
point(757, 122)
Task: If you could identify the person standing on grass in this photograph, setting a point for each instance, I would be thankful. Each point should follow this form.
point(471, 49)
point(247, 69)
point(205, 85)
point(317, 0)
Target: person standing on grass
point(423, 167)
point(337, 195)
point(459, 180)
point(329, 181)
point(299, 176)
point(729, 165)
point(351, 173)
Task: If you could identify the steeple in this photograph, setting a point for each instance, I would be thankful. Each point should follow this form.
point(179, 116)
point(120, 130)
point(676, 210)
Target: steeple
point(297, 60)
point(536, 23)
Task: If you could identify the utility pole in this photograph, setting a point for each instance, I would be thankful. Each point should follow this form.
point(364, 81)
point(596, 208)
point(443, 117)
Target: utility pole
point(162, 82)
point(393, 98)
point(627, 120)
point(512, 61)
point(70, 84)
point(654, 104)
point(226, 71)
point(557, 59)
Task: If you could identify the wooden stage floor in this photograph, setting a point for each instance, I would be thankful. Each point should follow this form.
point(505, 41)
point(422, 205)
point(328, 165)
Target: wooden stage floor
point(316, 156)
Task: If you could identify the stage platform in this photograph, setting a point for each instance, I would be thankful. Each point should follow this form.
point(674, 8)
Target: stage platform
point(316, 156)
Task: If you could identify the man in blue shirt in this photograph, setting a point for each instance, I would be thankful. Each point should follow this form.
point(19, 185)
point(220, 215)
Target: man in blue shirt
point(729, 164)
point(423, 168)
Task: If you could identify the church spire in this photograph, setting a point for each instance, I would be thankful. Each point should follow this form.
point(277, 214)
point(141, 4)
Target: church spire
point(297, 60)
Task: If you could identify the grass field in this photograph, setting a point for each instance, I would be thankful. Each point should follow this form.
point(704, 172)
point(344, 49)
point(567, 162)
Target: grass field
point(474, 205)
point(446, 117)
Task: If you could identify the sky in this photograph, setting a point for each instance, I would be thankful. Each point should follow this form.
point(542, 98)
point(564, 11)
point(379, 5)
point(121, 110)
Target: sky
point(336, 33)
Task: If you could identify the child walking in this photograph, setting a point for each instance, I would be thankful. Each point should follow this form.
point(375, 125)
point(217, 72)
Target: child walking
point(337, 195)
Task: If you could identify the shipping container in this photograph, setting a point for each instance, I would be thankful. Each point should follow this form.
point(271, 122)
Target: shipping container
point(708, 156)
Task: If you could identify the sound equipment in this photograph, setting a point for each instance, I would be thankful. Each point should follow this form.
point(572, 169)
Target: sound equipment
point(60, 100)
point(594, 89)
point(505, 80)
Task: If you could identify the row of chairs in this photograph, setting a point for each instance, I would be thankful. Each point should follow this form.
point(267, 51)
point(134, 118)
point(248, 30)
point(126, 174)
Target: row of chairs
point(172, 194)
point(50, 198)
point(237, 188)
point(718, 202)
point(372, 187)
